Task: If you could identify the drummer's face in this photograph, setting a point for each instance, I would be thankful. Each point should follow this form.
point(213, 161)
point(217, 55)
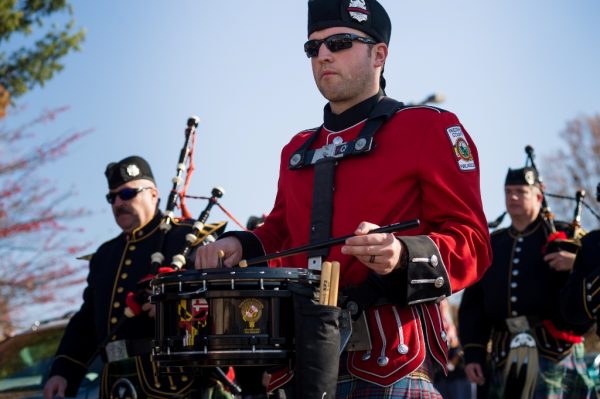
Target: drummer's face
point(137, 211)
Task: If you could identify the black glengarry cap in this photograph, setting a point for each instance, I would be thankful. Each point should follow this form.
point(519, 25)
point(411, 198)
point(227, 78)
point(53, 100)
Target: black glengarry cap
point(524, 176)
point(367, 16)
point(126, 170)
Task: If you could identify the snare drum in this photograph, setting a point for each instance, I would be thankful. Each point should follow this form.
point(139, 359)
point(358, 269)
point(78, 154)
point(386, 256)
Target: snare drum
point(225, 317)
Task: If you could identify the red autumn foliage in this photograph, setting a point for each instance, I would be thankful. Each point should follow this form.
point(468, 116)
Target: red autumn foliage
point(37, 262)
point(573, 166)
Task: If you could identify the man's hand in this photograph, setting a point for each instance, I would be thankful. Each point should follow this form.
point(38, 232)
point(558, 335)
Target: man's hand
point(474, 373)
point(560, 261)
point(150, 308)
point(380, 252)
point(55, 386)
point(207, 256)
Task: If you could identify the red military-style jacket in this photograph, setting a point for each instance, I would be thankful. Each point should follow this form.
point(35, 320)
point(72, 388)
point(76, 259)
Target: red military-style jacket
point(424, 165)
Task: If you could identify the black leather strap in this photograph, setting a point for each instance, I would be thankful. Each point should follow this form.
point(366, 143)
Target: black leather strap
point(324, 179)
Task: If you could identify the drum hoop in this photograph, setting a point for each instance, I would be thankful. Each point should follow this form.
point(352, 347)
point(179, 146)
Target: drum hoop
point(238, 275)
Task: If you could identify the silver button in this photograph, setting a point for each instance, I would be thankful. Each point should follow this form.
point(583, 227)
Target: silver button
point(295, 159)
point(588, 298)
point(514, 313)
point(513, 299)
point(513, 285)
point(433, 260)
point(515, 272)
point(503, 353)
point(360, 144)
point(383, 361)
point(402, 349)
point(337, 140)
point(588, 286)
point(439, 282)
point(366, 356)
point(520, 239)
point(517, 249)
point(516, 261)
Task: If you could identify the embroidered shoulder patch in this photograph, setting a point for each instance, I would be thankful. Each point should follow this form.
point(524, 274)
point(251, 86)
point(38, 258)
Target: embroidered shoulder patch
point(464, 156)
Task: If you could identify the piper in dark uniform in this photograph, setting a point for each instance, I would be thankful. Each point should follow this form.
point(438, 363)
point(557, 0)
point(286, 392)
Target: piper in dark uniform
point(581, 295)
point(100, 327)
point(535, 352)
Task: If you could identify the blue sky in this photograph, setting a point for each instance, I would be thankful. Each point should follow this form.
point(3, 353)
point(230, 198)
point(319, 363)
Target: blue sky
point(513, 71)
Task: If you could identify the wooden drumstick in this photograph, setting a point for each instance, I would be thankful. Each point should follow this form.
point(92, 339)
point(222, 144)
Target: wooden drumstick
point(221, 255)
point(335, 283)
point(325, 283)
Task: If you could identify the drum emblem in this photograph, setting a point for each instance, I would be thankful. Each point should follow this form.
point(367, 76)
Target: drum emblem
point(192, 317)
point(251, 310)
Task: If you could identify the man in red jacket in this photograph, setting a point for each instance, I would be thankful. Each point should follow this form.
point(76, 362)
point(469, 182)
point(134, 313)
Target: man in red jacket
point(375, 162)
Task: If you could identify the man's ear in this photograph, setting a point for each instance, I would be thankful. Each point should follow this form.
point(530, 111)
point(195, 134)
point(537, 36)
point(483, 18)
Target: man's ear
point(539, 195)
point(155, 194)
point(380, 53)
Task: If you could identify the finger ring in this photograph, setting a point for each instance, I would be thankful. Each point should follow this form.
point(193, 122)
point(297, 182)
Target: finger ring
point(372, 259)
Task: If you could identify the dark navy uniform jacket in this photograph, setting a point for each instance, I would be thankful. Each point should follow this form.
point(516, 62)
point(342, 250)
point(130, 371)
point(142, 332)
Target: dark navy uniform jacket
point(581, 295)
point(114, 271)
point(518, 283)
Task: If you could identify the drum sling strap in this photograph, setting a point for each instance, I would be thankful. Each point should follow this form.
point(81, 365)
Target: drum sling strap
point(324, 160)
point(317, 327)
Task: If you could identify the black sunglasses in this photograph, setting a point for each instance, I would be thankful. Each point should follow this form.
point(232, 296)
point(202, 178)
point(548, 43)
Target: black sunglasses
point(337, 42)
point(125, 194)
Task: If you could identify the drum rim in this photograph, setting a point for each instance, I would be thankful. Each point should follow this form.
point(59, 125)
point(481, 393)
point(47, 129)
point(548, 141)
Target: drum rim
point(237, 274)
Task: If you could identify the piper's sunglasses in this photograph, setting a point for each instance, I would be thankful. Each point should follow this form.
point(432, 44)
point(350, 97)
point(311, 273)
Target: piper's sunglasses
point(125, 194)
point(337, 42)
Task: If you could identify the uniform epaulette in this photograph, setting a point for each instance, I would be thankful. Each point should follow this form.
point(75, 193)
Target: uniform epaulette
point(209, 229)
point(429, 107)
point(311, 130)
point(86, 257)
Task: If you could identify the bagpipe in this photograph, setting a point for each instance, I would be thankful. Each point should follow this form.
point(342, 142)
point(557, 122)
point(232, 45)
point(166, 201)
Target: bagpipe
point(200, 232)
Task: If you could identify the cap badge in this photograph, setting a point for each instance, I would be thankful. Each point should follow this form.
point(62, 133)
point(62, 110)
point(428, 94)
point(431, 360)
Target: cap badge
point(358, 10)
point(133, 170)
point(529, 177)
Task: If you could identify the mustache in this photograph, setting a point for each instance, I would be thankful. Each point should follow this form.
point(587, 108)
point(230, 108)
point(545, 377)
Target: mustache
point(123, 210)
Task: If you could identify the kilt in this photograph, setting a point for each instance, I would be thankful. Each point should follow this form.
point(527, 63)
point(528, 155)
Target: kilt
point(417, 385)
point(567, 379)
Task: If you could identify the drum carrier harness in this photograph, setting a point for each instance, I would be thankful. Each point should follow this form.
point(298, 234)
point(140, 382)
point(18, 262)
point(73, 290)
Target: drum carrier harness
point(324, 160)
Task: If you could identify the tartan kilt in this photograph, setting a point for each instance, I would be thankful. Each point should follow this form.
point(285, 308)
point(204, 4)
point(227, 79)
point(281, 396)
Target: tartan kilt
point(417, 385)
point(567, 379)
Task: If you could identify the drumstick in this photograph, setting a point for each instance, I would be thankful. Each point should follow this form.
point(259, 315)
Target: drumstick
point(335, 283)
point(221, 255)
point(325, 283)
point(329, 243)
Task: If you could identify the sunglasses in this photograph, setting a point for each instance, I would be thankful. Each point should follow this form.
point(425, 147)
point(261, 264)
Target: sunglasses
point(125, 194)
point(334, 43)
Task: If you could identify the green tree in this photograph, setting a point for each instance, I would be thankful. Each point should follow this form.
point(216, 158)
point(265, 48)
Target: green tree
point(25, 67)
